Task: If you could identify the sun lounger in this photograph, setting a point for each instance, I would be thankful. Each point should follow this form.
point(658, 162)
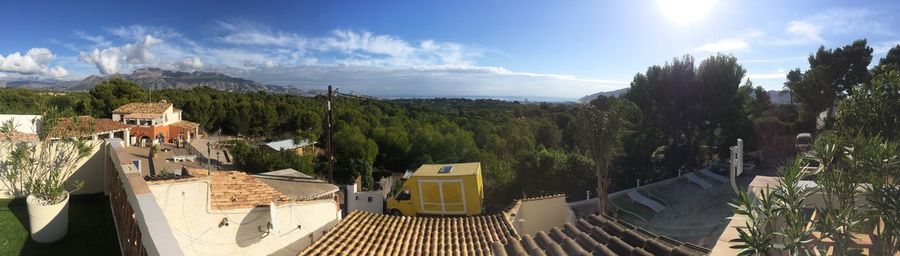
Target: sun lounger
point(697, 180)
point(713, 175)
point(641, 199)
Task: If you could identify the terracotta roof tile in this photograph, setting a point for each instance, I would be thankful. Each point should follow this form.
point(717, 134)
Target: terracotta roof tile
point(230, 189)
point(235, 190)
point(153, 108)
point(596, 235)
point(19, 137)
point(363, 233)
point(87, 124)
point(142, 115)
point(187, 125)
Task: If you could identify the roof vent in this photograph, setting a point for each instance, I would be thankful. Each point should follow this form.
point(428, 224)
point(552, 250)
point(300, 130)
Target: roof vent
point(446, 169)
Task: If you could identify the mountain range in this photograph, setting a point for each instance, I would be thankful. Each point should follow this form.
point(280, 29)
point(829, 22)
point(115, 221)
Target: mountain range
point(776, 97)
point(156, 79)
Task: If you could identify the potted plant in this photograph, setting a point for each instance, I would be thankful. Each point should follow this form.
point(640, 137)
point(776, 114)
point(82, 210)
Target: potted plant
point(39, 168)
point(153, 151)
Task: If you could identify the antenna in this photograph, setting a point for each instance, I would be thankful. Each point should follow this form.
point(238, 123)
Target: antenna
point(329, 117)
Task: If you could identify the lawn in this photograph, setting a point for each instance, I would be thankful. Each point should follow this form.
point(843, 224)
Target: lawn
point(91, 229)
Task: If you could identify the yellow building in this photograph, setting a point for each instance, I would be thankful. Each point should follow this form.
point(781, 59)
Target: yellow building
point(440, 189)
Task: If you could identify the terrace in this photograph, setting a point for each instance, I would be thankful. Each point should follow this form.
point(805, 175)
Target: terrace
point(92, 234)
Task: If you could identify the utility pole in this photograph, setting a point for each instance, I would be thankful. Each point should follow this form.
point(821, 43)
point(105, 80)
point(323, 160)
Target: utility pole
point(330, 130)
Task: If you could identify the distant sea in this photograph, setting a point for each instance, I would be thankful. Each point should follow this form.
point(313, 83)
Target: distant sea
point(503, 98)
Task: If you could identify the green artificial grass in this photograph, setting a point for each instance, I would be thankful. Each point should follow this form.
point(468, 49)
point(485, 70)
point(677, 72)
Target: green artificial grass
point(91, 229)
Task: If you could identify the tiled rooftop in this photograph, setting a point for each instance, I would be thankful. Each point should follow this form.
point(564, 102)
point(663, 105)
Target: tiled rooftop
point(153, 108)
point(187, 125)
point(142, 115)
point(236, 190)
point(363, 233)
point(596, 235)
point(103, 125)
point(231, 189)
point(20, 137)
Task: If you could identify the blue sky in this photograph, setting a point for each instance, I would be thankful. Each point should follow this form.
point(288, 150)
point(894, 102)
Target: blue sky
point(430, 48)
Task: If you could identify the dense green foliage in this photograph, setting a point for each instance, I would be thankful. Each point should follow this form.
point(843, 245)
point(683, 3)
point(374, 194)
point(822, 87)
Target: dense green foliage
point(259, 159)
point(689, 114)
point(370, 135)
point(850, 168)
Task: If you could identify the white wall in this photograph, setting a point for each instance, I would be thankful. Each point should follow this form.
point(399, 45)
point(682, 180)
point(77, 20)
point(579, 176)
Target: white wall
point(24, 123)
point(359, 200)
point(90, 170)
point(537, 215)
point(186, 204)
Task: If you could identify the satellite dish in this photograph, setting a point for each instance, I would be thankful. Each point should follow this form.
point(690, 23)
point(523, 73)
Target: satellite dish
point(273, 216)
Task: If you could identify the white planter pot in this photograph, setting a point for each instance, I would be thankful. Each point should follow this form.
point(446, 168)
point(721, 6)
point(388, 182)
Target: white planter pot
point(49, 223)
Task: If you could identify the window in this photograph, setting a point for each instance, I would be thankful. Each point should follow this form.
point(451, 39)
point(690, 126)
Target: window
point(402, 196)
point(370, 199)
point(446, 169)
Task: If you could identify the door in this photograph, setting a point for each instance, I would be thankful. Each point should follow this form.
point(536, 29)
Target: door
point(442, 196)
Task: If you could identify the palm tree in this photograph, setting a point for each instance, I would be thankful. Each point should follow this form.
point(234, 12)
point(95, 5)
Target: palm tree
point(602, 124)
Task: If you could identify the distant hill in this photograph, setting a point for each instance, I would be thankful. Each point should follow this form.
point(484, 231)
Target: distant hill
point(614, 93)
point(155, 78)
point(37, 84)
point(777, 97)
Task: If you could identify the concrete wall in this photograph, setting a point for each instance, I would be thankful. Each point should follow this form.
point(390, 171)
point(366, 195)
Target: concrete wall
point(198, 230)
point(367, 201)
point(24, 123)
point(90, 170)
point(533, 216)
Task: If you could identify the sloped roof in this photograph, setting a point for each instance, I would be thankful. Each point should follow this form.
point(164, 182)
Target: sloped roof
point(237, 190)
point(187, 125)
point(596, 235)
point(19, 137)
point(87, 124)
point(377, 234)
point(142, 115)
point(232, 190)
point(297, 185)
point(138, 107)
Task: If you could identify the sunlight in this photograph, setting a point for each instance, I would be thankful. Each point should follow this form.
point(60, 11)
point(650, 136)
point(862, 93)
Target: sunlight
point(686, 12)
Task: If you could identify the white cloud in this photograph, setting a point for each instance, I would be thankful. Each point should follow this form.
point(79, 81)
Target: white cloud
point(96, 40)
point(190, 64)
point(34, 62)
point(245, 33)
point(111, 60)
point(815, 28)
point(805, 31)
point(724, 45)
point(371, 63)
point(884, 47)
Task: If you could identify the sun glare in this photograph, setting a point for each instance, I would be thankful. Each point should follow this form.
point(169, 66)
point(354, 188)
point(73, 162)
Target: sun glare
point(686, 12)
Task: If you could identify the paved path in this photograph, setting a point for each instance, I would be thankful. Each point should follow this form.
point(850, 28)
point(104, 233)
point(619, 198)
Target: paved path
point(713, 175)
point(653, 204)
point(697, 180)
